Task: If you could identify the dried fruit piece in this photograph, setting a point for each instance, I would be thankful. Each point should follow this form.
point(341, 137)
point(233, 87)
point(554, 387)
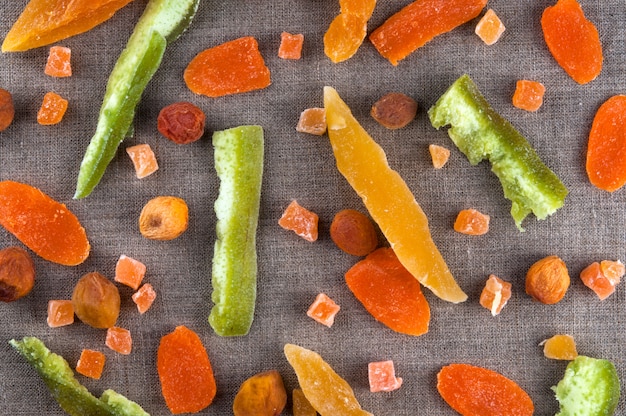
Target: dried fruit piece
point(389, 292)
point(300, 220)
point(312, 121)
point(96, 300)
point(602, 277)
point(548, 280)
point(573, 40)
point(471, 222)
point(91, 363)
point(301, 406)
point(43, 22)
point(528, 95)
point(17, 274)
point(560, 347)
point(394, 110)
point(60, 313)
point(388, 199)
point(230, 68)
point(476, 391)
point(7, 109)
point(323, 310)
point(44, 225)
point(144, 298)
point(164, 218)
point(419, 22)
point(495, 294)
point(52, 109)
point(439, 155)
point(185, 372)
point(607, 141)
point(143, 158)
point(382, 376)
point(261, 395)
point(119, 340)
point(490, 27)
point(347, 31)
point(129, 271)
point(327, 392)
point(59, 62)
point(181, 122)
point(353, 232)
point(290, 46)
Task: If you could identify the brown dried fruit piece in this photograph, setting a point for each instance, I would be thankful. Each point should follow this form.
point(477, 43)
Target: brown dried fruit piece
point(394, 110)
point(353, 232)
point(181, 122)
point(7, 109)
point(261, 395)
point(96, 301)
point(164, 218)
point(548, 280)
point(17, 274)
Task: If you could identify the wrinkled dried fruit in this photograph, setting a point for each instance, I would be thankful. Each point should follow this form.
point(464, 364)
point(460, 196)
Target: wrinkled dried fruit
point(164, 218)
point(353, 232)
point(96, 301)
point(261, 395)
point(181, 122)
point(7, 109)
point(17, 274)
point(91, 363)
point(560, 347)
point(547, 280)
point(394, 110)
point(52, 109)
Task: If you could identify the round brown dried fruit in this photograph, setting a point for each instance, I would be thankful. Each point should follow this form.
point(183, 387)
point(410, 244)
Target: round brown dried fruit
point(96, 301)
point(181, 122)
point(7, 109)
point(353, 232)
point(548, 280)
point(164, 218)
point(394, 110)
point(17, 274)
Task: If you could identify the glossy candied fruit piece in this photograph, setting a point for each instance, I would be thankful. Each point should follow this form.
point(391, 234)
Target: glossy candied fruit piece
point(602, 280)
point(312, 121)
point(495, 294)
point(528, 95)
point(91, 363)
point(144, 298)
point(323, 310)
point(129, 271)
point(560, 347)
point(300, 220)
point(490, 28)
point(59, 63)
point(301, 405)
point(290, 46)
point(344, 36)
point(119, 340)
point(471, 222)
point(382, 376)
point(7, 109)
point(143, 159)
point(60, 313)
point(261, 395)
point(439, 154)
point(52, 110)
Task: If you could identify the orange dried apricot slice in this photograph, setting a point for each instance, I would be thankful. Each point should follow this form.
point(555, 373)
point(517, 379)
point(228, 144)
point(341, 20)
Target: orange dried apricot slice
point(439, 155)
point(290, 46)
point(490, 27)
point(471, 222)
point(476, 391)
point(91, 363)
point(528, 95)
point(495, 294)
point(44, 21)
point(560, 347)
point(230, 68)
point(59, 64)
point(323, 310)
point(573, 40)
point(300, 220)
point(44, 225)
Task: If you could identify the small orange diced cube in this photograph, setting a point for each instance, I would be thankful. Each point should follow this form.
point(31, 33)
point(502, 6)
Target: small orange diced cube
point(471, 222)
point(312, 121)
point(382, 376)
point(439, 154)
point(129, 271)
point(60, 313)
point(490, 27)
point(144, 298)
point(602, 277)
point(323, 310)
point(58, 64)
point(528, 95)
point(290, 46)
point(143, 159)
point(495, 294)
point(300, 220)
point(91, 363)
point(52, 109)
point(119, 340)
point(560, 347)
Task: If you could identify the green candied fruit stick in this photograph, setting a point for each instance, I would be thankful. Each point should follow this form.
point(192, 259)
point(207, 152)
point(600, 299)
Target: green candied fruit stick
point(481, 133)
point(73, 397)
point(239, 166)
point(590, 387)
point(160, 24)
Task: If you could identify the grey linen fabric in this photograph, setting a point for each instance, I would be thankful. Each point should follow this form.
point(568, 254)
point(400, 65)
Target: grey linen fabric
point(590, 227)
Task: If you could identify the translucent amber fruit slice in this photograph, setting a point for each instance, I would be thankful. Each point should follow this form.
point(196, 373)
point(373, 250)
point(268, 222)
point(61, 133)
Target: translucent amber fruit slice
point(301, 406)
point(560, 347)
point(59, 62)
point(119, 340)
point(602, 277)
point(91, 363)
point(344, 36)
point(144, 298)
point(323, 310)
point(439, 155)
point(262, 394)
point(490, 27)
point(60, 313)
point(52, 109)
point(495, 294)
point(144, 160)
point(129, 271)
point(300, 220)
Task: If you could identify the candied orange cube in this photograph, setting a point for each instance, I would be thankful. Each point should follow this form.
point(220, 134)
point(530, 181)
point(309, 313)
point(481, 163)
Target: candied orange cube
point(144, 298)
point(495, 294)
point(382, 376)
point(528, 95)
point(129, 271)
point(312, 121)
point(52, 109)
point(471, 222)
point(323, 310)
point(91, 363)
point(143, 159)
point(58, 64)
point(290, 46)
point(300, 220)
point(439, 154)
point(490, 27)
point(60, 313)
point(560, 347)
point(602, 277)
point(119, 340)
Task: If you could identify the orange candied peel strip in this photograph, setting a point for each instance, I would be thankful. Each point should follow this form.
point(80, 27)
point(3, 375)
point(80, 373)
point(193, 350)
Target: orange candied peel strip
point(52, 109)
point(290, 46)
point(59, 62)
point(44, 225)
point(495, 294)
point(60, 313)
point(560, 347)
point(323, 310)
point(573, 40)
point(419, 22)
point(490, 28)
point(91, 363)
point(471, 222)
point(528, 95)
point(44, 22)
point(603, 277)
point(312, 121)
point(439, 155)
point(300, 220)
point(143, 159)
point(230, 68)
